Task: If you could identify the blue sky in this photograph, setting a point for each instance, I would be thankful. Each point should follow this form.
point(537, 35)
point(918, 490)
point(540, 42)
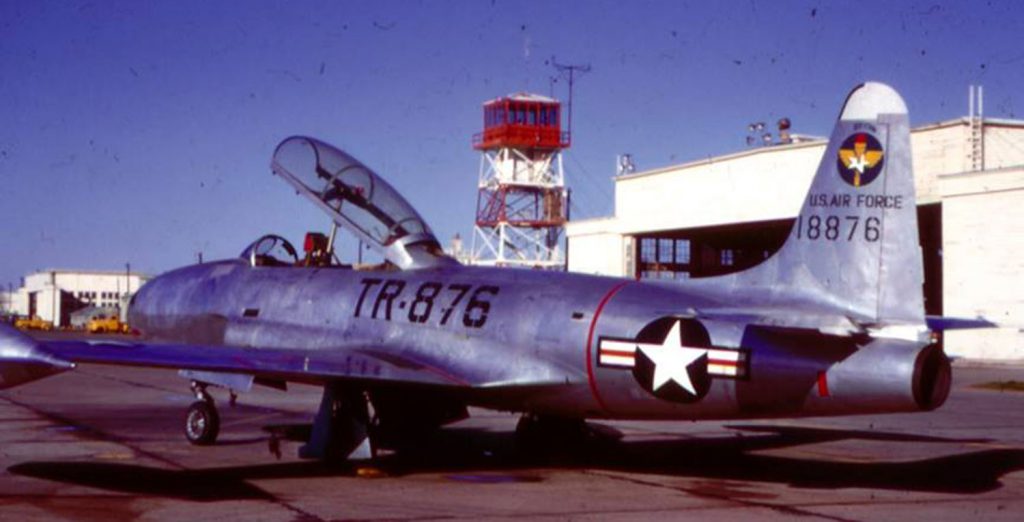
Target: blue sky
point(142, 132)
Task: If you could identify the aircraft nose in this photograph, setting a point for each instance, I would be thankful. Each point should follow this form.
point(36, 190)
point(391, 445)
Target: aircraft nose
point(868, 100)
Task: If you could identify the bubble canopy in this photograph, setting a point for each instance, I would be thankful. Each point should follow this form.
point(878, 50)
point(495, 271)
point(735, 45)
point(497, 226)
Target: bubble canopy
point(359, 200)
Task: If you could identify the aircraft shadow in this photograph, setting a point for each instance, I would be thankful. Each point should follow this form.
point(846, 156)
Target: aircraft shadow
point(731, 458)
point(483, 455)
point(208, 484)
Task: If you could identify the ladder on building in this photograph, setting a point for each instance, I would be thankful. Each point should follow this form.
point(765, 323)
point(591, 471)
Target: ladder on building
point(976, 154)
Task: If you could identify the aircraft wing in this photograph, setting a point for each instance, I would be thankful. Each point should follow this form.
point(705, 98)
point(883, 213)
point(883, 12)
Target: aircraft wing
point(313, 366)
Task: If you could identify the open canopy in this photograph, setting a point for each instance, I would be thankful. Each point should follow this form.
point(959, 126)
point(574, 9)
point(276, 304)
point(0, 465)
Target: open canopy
point(359, 200)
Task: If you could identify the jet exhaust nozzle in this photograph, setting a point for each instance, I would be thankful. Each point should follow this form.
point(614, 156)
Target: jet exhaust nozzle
point(803, 374)
point(933, 378)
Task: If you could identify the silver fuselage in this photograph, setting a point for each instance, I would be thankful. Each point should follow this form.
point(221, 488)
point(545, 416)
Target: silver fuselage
point(488, 326)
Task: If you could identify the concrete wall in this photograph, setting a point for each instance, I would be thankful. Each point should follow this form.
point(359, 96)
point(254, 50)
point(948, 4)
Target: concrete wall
point(7, 304)
point(602, 250)
point(936, 150)
point(1004, 146)
point(983, 260)
point(756, 185)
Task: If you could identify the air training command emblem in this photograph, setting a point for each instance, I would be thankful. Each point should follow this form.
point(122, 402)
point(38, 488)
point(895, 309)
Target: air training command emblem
point(860, 159)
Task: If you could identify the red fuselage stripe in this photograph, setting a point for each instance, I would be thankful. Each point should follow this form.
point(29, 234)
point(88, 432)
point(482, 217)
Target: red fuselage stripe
point(822, 385)
point(590, 340)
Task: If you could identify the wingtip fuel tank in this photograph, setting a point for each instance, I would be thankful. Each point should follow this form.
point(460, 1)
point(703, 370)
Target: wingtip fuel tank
point(22, 361)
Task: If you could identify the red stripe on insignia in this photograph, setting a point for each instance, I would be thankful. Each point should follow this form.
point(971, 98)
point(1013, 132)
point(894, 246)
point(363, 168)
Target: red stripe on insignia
point(724, 362)
point(822, 385)
point(590, 340)
point(613, 351)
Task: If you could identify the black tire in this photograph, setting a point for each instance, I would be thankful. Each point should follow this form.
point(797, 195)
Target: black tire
point(202, 423)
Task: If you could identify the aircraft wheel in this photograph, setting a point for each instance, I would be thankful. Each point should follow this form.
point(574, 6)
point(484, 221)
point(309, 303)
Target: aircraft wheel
point(202, 423)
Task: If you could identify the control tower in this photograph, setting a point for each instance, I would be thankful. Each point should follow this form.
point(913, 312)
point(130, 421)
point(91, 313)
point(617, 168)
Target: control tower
point(522, 204)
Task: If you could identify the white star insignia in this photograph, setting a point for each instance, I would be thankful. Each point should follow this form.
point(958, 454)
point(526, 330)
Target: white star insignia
point(858, 163)
point(672, 360)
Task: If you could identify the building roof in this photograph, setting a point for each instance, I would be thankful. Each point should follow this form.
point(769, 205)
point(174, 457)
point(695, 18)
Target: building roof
point(524, 96)
point(77, 271)
point(964, 120)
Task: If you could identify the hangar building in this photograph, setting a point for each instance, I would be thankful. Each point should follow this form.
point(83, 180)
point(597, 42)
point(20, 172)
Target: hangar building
point(727, 213)
point(53, 295)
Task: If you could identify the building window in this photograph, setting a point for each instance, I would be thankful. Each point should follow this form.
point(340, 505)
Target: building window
point(663, 258)
point(665, 250)
point(727, 257)
point(682, 251)
point(648, 250)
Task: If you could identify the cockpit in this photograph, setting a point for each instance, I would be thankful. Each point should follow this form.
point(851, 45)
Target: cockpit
point(356, 199)
point(271, 250)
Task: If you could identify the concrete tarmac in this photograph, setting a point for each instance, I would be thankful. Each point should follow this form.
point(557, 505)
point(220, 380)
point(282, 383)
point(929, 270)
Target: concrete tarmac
point(106, 443)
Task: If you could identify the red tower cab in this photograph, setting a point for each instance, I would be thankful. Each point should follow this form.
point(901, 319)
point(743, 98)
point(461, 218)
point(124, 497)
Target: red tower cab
point(522, 121)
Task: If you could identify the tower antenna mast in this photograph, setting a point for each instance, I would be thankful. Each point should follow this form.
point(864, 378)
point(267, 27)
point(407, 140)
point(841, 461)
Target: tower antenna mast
point(570, 71)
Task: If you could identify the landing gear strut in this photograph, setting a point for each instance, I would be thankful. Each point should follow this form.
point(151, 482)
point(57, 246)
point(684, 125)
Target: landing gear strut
point(341, 427)
point(202, 423)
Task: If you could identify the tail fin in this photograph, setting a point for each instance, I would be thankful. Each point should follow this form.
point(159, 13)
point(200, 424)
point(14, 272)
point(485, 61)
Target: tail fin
point(855, 243)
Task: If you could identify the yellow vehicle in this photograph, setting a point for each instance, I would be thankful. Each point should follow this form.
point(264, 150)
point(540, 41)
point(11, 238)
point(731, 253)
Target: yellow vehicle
point(33, 323)
point(106, 324)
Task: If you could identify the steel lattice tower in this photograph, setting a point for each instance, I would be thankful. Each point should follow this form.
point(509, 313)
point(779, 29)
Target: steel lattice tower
point(522, 203)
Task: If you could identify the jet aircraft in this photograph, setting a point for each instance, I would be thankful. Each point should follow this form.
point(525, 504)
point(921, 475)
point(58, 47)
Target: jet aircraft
point(833, 323)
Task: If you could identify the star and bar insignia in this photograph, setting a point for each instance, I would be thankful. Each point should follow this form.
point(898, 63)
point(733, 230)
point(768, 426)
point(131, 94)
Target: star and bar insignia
point(672, 368)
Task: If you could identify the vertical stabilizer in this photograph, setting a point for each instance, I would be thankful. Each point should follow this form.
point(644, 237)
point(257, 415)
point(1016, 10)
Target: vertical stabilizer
point(855, 242)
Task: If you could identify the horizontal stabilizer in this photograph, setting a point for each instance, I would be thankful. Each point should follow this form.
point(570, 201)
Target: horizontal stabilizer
point(938, 323)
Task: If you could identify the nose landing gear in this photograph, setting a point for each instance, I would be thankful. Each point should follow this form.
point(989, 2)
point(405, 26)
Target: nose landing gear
point(202, 423)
